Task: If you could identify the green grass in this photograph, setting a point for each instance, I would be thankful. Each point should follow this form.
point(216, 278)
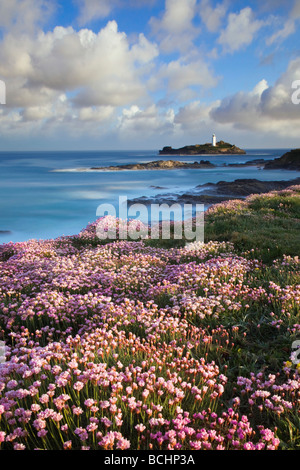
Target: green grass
point(268, 224)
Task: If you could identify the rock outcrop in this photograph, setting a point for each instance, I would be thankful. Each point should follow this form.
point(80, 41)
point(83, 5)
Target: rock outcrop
point(157, 165)
point(245, 187)
point(288, 161)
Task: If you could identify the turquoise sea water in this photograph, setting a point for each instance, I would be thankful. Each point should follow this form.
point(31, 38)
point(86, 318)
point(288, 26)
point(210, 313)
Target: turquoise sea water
point(38, 202)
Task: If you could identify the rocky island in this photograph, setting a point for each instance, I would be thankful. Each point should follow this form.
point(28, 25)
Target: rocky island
point(158, 165)
point(221, 148)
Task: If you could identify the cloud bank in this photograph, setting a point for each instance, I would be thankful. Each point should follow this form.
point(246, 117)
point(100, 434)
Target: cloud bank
point(90, 79)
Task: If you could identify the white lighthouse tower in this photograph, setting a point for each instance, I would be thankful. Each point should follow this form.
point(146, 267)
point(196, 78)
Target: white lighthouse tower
point(214, 140)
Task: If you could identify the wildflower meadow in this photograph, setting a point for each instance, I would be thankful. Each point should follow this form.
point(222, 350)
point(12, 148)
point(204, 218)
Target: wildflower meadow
point(132, 345)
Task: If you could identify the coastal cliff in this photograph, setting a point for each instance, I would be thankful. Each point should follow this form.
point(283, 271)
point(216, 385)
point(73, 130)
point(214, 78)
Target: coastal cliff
point(221, 148)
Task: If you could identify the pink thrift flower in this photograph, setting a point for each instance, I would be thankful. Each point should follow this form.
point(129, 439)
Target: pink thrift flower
point(78, 386)
point(67, 445)
point(140, 427)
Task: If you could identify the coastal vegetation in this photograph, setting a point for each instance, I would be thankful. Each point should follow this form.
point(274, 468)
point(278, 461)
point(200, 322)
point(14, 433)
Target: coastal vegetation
point(122, 344)
point(267, 224)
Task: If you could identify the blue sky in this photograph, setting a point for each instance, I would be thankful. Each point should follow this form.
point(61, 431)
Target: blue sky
point(137, 74)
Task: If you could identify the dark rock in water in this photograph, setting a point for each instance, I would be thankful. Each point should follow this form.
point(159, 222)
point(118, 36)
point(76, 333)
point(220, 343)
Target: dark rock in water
point(157, 187)
point(257, 162)
point(158, 165)
point(245, 187)
point(5, 232)
point(288, 161)
point(187, 198)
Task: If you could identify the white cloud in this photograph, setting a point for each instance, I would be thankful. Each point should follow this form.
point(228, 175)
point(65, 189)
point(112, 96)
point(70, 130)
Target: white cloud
point(24, 15)
point(144, 51)
point(276, 102)
point(194, 124)
point(178, 15)
point(70, 82)
point(193, 116)
point(96, 114)
point(93, 69)
point(289, 25)
point(175, 28)
point(295, 12)
point(289, 28)
point(181, 74)
point(37, 113)
point(212, 16)
point(240, 30)
point(90, 10)
point(139, 123)
point(241, 107)
point(266, 108)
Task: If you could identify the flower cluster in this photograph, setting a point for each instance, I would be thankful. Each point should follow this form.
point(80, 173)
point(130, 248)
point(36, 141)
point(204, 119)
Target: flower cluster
point(128, 346)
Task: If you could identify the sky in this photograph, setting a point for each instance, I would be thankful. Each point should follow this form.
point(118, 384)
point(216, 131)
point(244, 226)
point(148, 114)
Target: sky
point(143, 74)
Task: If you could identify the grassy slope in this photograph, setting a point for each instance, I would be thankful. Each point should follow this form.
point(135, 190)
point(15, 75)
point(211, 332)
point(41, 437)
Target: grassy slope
point(268, 224)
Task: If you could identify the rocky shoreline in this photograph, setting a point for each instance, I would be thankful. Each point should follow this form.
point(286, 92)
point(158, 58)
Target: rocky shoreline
point(213, 193)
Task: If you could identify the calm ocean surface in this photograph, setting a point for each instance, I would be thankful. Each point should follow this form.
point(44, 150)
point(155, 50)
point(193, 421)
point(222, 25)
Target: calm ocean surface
point(37, 202)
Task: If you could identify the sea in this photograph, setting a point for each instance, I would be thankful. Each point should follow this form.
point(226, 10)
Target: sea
point(49, 194)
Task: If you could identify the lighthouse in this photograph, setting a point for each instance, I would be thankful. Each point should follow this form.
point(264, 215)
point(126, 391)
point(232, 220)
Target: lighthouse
point(214, 140)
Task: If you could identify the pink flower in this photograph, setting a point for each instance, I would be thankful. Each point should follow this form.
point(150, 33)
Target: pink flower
point(123, 444)
point(19, 446)
point(78, 386)
point(39, 424)
point(44, 398)
point(89, 402)
point(82, 433)
point(92, 427)
point(140, 427)
point(67, 445)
